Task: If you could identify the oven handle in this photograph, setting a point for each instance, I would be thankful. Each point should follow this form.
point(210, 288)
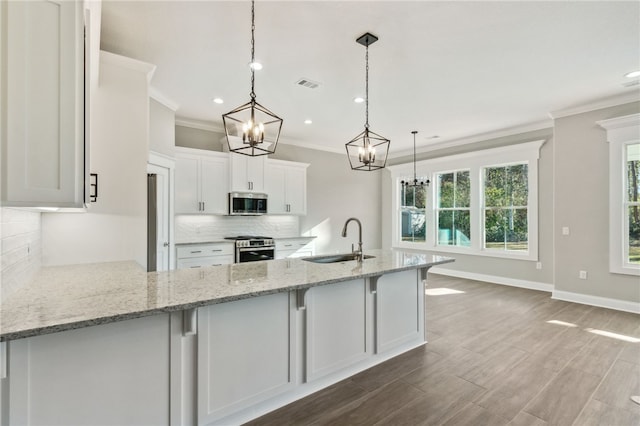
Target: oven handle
point(256, 248)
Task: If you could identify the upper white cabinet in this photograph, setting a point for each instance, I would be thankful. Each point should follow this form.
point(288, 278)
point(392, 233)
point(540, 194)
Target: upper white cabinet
point(43, 87)
point(247, 173)
point(202, 181)
point(286, 184)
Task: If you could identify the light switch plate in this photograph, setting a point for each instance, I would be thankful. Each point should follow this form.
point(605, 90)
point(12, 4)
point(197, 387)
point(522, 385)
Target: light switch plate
point(565, 230)
point(583, 275)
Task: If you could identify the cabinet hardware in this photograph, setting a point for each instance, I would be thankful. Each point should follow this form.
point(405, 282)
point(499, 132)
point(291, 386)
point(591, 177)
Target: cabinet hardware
point(194, 267)
point(216, 249)
point(165, 244)
point(196, 251)
point(288, 245)
point(203, 206)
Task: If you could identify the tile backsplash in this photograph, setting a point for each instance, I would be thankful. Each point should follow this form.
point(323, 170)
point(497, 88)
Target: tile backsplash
point(21, 247)
point(202, 228)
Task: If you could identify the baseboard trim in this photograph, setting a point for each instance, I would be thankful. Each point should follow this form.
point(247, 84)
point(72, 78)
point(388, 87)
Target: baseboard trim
point(602, 302)
point(531, 285)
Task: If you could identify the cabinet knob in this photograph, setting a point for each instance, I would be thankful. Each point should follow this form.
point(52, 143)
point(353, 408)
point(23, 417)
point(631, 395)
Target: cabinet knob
point(165, 244)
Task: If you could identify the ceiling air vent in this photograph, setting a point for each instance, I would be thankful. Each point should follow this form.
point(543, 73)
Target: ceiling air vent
point(310, 84)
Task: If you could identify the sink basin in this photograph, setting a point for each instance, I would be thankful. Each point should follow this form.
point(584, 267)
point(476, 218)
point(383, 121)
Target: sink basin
point(334, 258)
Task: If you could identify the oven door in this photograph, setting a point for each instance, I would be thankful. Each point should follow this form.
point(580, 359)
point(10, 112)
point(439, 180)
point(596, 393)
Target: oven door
point(253, 254)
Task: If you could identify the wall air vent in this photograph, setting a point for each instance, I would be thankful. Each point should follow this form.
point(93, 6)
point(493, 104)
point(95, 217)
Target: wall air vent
point(310, 84)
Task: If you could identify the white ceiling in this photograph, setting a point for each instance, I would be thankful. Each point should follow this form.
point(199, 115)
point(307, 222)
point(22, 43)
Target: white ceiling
point(448, 68)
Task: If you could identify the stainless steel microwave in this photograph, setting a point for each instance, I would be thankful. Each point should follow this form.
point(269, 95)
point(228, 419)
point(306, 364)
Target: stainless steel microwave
point(247, 203)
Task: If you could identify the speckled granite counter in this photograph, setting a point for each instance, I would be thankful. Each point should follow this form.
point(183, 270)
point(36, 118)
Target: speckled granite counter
point(67, 297)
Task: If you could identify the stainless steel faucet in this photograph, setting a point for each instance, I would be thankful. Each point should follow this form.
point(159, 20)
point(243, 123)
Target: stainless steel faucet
point(358, 253)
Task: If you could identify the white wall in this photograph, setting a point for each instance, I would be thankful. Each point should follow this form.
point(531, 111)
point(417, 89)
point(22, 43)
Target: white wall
point(203, 228)
point(21, 248)
point(581, 193)
point(115, 226)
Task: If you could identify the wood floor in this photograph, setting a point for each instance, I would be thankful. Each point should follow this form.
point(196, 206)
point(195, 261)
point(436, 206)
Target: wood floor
point(496, 356)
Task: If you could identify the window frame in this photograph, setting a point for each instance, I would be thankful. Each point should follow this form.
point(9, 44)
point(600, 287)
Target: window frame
point(475, 162)
point(437, 209)
point(621, 132)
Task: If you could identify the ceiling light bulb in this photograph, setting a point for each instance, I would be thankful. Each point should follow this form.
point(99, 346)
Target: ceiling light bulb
point(256, 66)
point(218, 100)
point(307, 121)
point(358, 100)
point(632, 74)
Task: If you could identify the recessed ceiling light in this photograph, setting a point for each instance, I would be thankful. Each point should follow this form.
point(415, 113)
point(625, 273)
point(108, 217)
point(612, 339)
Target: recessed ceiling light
point(632, 74)
point(218, 100)
point(256, 66)
point(358, 100)
point(307, 121)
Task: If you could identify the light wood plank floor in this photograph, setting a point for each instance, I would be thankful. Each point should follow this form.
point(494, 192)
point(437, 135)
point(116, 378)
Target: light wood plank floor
point(496, 355)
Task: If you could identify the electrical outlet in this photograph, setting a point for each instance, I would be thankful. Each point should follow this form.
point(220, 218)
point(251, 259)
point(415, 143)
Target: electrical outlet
point(539, 265)
point(583, 275)
point(565, 230)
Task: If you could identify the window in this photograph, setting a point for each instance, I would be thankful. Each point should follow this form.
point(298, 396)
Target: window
point(413, 214)
point(453, 209)
point(506, 192)
point(623, 136)
point(482, 203)
point(632, 205)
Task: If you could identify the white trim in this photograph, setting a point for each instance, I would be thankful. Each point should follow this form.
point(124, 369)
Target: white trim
point(512, 282)
point(157, 95)
point(129, 63)
point(482, 137)
point(610, 101)
point(602, 302)
point(167, 162)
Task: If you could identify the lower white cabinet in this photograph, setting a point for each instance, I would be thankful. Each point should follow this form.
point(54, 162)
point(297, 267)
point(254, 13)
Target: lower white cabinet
point(112, 374)
point(336, 327)
point(298, 247)
point(245, 354)
point(202, 255)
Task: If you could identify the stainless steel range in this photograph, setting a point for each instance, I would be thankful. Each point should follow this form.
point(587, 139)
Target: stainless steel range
point(251, 248)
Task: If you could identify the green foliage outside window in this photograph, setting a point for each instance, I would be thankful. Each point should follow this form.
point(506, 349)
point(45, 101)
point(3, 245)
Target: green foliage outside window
point(454, 199)
point(506, 192)
point(633, 195)
point(413, 202)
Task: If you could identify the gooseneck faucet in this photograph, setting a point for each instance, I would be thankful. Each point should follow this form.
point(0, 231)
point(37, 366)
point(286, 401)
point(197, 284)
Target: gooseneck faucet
point(359, 255)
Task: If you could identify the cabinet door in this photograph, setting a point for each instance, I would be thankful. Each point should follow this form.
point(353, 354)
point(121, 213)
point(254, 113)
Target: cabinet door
point(187, 197)
point(275, 182)
point(203, 262)
point(43, 144)
point(247, 173)
point(336, 334)
point(296, 190)
point(112, 374)
point(214, 184)
point(246, 354)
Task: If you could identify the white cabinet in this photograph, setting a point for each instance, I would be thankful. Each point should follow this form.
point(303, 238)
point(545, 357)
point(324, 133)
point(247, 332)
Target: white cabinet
point(202, 255)
point(246, 354)
point(247, 173)
point(286, 184)
point(202, 182)
point(116, 374)
point(294, 247)
point(43, 119)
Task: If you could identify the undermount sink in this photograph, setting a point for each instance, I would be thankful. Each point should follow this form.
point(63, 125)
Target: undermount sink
point(334, 258)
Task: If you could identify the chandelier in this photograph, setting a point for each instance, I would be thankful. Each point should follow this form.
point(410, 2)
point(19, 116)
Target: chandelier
point(252, 129)
point(368, 151)
point(414, 183)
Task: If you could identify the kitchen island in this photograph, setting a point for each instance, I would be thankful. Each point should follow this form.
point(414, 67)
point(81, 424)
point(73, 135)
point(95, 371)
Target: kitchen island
point(111, 344)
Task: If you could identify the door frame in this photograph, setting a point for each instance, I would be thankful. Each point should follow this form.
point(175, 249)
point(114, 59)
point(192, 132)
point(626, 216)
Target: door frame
point(164, 161)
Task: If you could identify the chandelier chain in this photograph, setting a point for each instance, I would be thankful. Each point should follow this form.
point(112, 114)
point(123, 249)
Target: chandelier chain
point(253, 42)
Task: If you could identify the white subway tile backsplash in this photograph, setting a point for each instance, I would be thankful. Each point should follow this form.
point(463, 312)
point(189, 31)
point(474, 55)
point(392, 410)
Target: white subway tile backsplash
point(201, 228)
point(20, 248)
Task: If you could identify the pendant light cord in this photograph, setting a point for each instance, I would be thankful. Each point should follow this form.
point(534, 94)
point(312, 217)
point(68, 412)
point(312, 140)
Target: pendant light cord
point(366, 90)
point(253, 42)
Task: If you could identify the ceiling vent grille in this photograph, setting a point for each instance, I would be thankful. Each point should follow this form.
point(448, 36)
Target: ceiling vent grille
point(310, 84)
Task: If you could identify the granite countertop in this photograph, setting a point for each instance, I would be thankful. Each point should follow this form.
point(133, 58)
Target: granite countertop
point(67, 297)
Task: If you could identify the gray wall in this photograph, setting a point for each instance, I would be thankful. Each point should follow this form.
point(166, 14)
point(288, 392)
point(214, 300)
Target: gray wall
point(189, 137)
point(334, 194)
point(162, 129)
point(581, 194)
point(505, 268)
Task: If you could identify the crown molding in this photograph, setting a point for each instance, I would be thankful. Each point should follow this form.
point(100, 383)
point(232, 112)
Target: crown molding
point(509, 131)
point(160, 97)
point(610, 101)
point(199, 124)
point(129, 63)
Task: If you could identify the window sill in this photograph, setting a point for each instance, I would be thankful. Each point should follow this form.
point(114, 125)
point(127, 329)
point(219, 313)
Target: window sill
point(469, 251)
point(625, 270)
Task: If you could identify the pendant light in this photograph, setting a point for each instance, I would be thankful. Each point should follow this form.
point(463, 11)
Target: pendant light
point(368, 151)
point(252, 129)
point(414, 183)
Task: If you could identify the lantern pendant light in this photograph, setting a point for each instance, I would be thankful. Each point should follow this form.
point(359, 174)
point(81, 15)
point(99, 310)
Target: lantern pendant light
point(368, 151)
point(252, 129)
point(414, 183)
